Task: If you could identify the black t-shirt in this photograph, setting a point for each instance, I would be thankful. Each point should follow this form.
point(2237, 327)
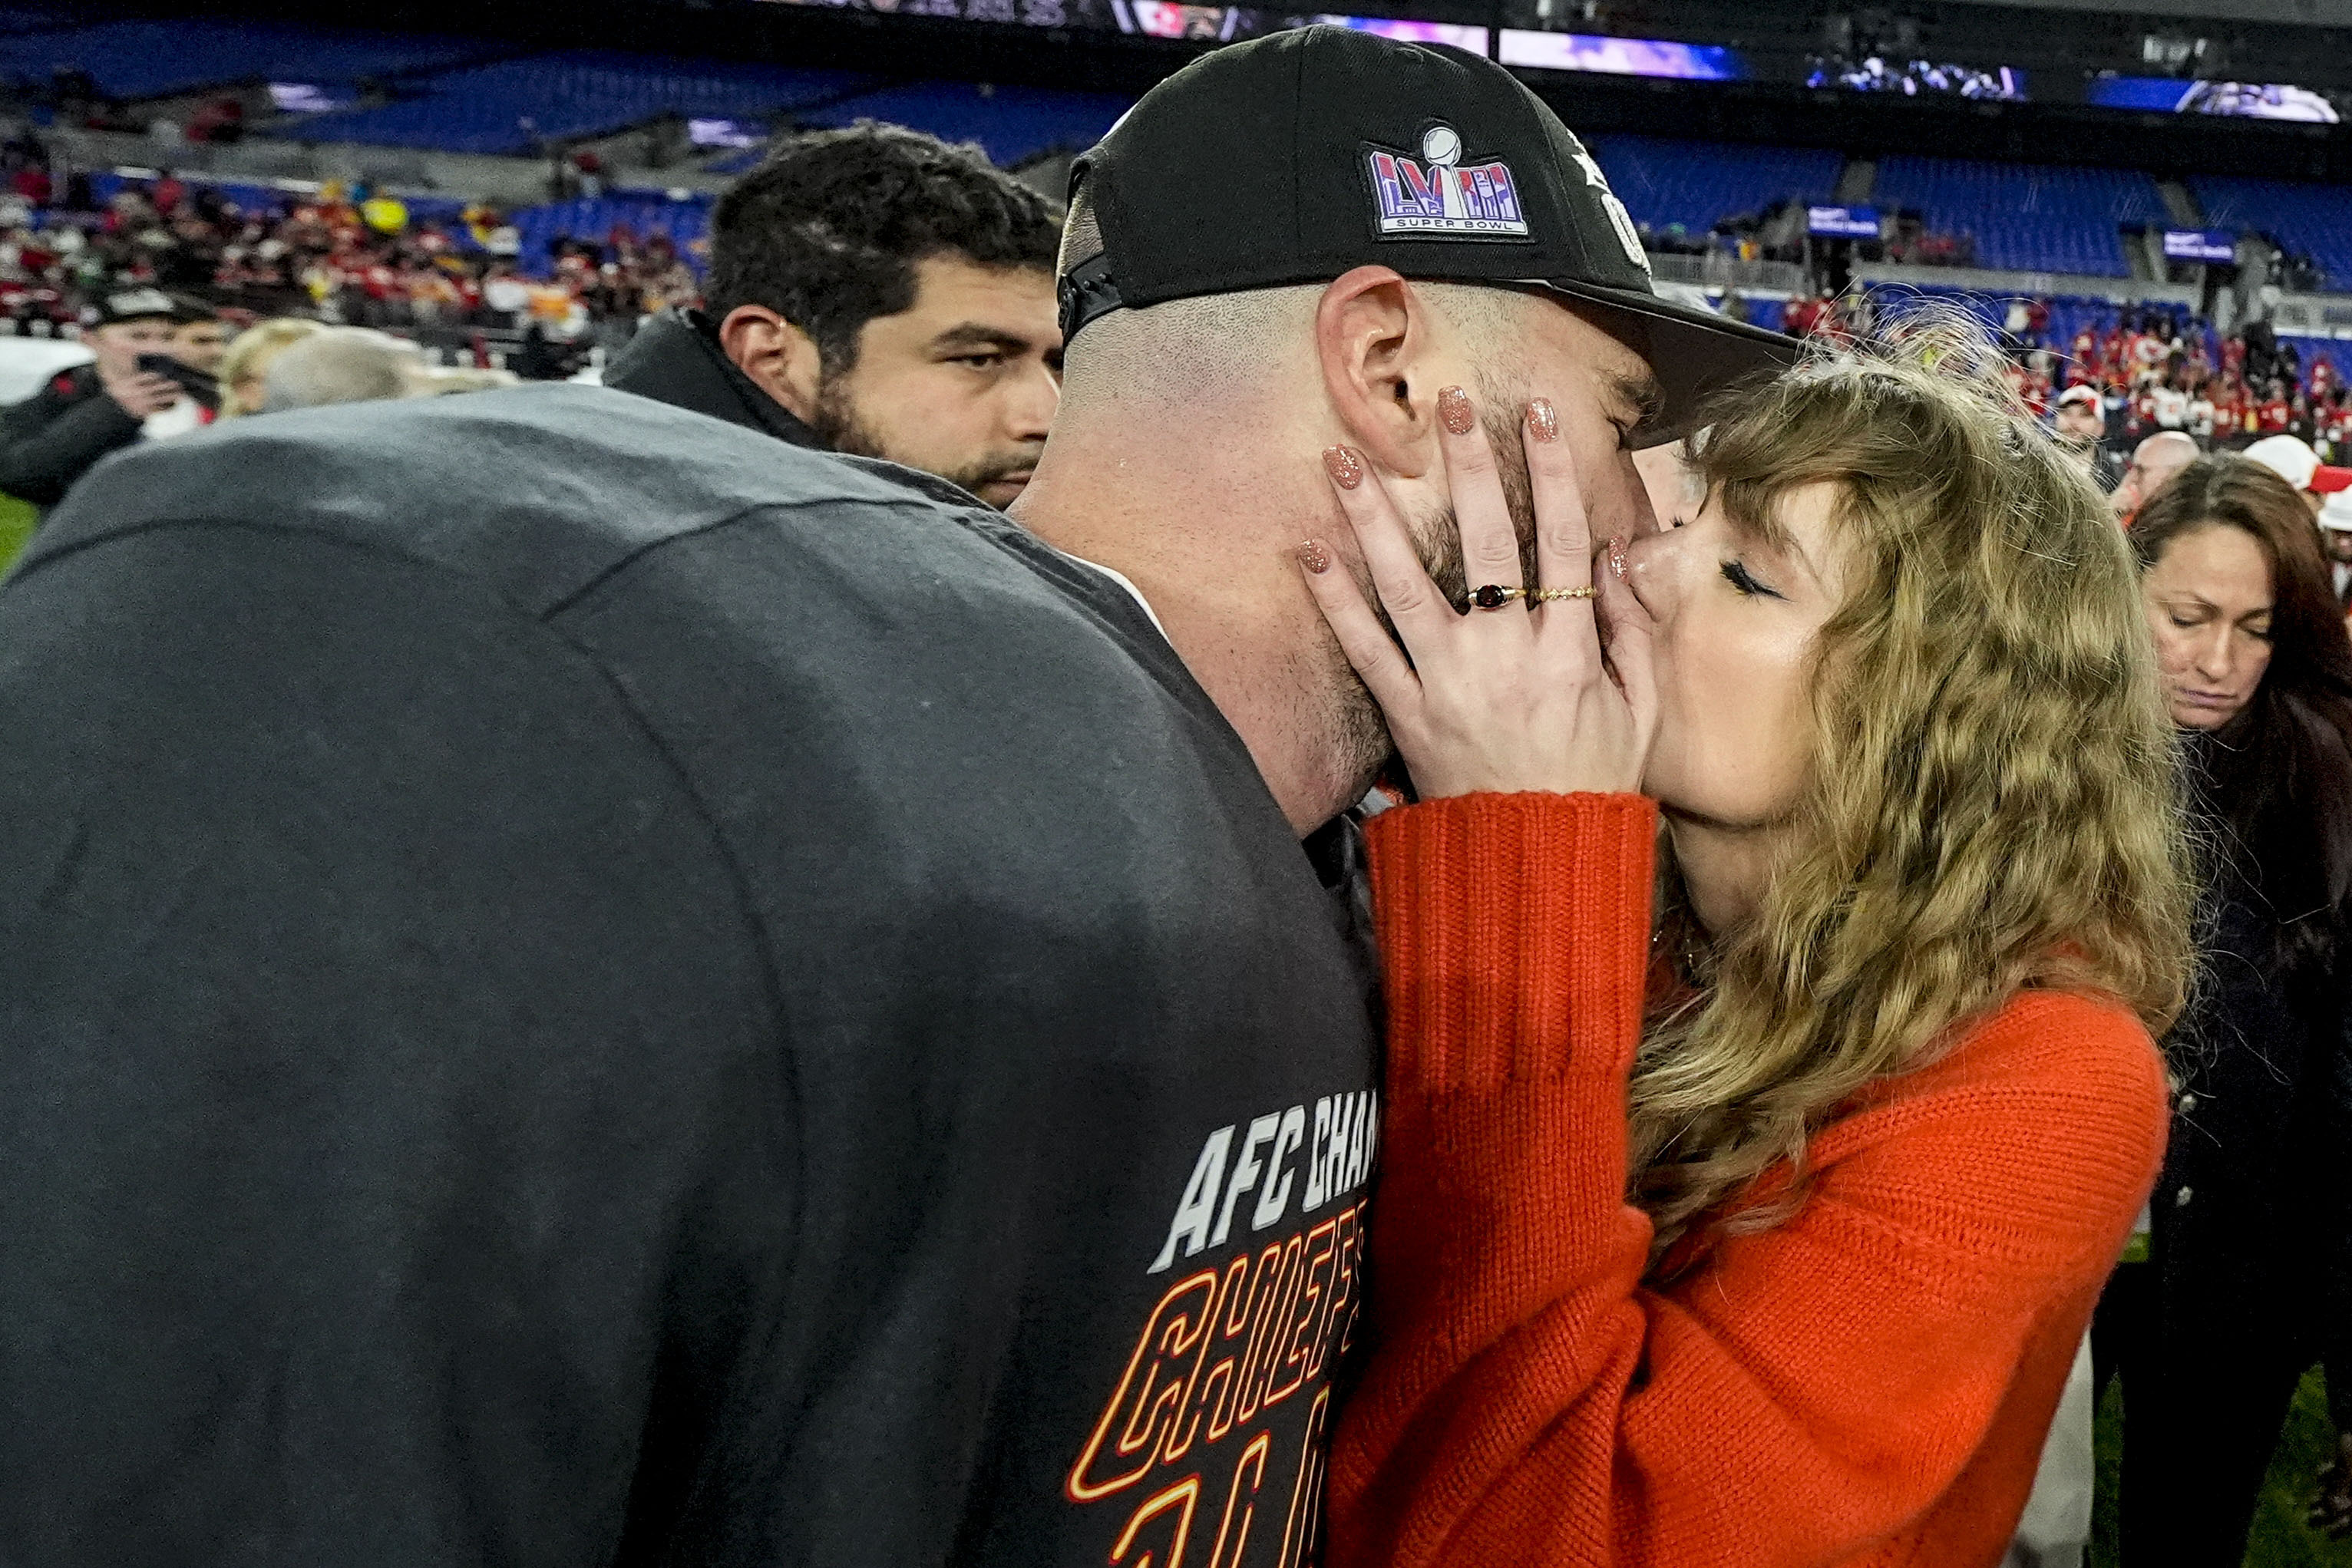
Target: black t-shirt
point(582, 986)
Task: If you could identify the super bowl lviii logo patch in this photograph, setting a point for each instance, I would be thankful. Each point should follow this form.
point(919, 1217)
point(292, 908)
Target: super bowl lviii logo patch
point(1439, 194)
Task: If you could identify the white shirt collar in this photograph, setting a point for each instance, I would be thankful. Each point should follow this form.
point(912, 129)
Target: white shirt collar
point(1132, 592)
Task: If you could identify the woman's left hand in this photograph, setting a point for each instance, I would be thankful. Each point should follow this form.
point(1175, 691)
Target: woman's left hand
point(1514, 697)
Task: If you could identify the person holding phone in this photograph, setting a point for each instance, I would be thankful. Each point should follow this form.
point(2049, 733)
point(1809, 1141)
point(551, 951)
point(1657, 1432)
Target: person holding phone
point(132, 388)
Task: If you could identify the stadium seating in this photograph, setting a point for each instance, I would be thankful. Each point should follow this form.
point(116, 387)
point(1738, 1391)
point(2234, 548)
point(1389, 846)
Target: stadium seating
point(595, 217)
point(2305, 220)
point(251, 197)
point(512, 105)
point(2024, 218)
point(1015, 124)
point(1692, 185)
point(146, 59)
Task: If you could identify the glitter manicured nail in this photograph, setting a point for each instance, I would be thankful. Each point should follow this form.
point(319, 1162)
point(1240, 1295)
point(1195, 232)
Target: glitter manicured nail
point(1617, 562)
point(1311, 557)
point(1347, 468)
point(1543, 420)
point(1453, 410)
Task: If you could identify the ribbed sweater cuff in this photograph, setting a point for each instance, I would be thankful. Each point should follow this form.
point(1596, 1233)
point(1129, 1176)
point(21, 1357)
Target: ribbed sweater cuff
point(1514, 936)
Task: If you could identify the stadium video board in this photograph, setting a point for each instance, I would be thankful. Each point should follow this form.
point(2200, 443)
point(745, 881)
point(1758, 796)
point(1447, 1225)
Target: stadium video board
point(1620, 56)
point(1841, 223)
point(1880, 74)
point(2237, 99)
point(1917, 78)
point(1160, 19)
point(2201, 244)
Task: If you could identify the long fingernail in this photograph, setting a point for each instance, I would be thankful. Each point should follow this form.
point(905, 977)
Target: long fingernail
point(1310, 556)
point(1347, 468)
point(1543, 420)
point(1617, 561)
point(1453, 410)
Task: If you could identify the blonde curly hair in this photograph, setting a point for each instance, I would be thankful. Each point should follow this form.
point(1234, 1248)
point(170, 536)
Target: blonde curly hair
point(1991, 804)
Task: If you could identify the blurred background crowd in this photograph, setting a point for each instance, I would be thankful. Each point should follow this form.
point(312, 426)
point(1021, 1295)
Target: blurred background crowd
point(233, 216)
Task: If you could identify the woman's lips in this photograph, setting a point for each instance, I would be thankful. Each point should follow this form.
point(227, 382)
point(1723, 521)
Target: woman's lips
point(2196, 698)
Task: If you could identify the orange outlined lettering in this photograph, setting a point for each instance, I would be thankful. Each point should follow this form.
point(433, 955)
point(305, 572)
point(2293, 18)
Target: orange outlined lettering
point(1178, 1327)
point(1253, 1459)
point(1186, 1493)
point(1221, 1349)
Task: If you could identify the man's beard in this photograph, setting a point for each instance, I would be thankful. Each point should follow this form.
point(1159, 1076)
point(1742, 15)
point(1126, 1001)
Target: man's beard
point(1437, 541)
point(1436, 532)
point(837, 425)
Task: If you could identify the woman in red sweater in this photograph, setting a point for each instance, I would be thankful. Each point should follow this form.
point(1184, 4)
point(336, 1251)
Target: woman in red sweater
point(1760, 1232)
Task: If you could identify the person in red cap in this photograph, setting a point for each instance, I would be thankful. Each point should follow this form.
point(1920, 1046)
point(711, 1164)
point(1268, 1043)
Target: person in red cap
point(2292, 459)
point(2081, 423)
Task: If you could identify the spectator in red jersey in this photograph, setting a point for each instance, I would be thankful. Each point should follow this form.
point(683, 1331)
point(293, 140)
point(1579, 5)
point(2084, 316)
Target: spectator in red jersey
point(2277, 411)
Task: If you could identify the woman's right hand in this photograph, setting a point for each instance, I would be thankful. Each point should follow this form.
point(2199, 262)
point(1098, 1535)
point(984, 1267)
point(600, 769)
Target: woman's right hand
point(1519, 697)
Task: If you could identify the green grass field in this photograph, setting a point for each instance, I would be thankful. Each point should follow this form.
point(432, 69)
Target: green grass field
point(2279, 1539)
point(16, 527)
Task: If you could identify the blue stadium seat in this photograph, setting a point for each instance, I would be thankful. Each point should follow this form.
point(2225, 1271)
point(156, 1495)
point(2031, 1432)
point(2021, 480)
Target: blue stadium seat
point(593, 218)
point(1696, 184)
point(513, 105)
point(1014, 124)
point(741, 162)
point(2026, 218)
point(146, 59)
point(2306, 220)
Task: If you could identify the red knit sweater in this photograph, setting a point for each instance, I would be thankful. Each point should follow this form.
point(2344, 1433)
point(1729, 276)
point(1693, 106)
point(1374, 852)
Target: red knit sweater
point(1868, 1383)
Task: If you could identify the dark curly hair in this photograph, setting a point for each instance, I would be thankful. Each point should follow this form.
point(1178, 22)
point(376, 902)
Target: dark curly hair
point(828, 230)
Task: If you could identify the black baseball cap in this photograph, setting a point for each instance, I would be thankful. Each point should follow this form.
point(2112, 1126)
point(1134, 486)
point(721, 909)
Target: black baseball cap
point(1296, 157)
point(130, 304)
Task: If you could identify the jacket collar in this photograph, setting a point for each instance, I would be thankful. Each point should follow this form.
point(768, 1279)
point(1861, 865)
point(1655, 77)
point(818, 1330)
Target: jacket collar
point(676, 358)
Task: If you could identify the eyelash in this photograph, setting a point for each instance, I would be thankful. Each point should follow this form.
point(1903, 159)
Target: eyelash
point(1739, 577)
point(2262, 636)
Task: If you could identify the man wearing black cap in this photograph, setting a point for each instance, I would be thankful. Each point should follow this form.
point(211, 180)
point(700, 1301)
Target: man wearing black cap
point(588, 988)
point(52, 437)
point(1301, 245)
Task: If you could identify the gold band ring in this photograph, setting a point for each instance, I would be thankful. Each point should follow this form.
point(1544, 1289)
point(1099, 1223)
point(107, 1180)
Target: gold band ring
point(1546, 595)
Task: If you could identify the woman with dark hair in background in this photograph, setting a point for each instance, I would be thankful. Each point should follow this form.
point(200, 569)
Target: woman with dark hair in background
point(2249, 1260)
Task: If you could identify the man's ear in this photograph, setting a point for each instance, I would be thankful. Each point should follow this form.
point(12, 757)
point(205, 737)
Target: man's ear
point(1374, 337)
point(779, 356)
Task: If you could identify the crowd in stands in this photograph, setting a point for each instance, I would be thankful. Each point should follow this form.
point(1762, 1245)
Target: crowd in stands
point(344, 255)
point(2153, 367)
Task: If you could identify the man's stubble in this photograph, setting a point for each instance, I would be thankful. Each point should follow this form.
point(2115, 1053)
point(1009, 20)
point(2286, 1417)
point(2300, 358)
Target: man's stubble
point(1437, 540)
point(837, 424)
